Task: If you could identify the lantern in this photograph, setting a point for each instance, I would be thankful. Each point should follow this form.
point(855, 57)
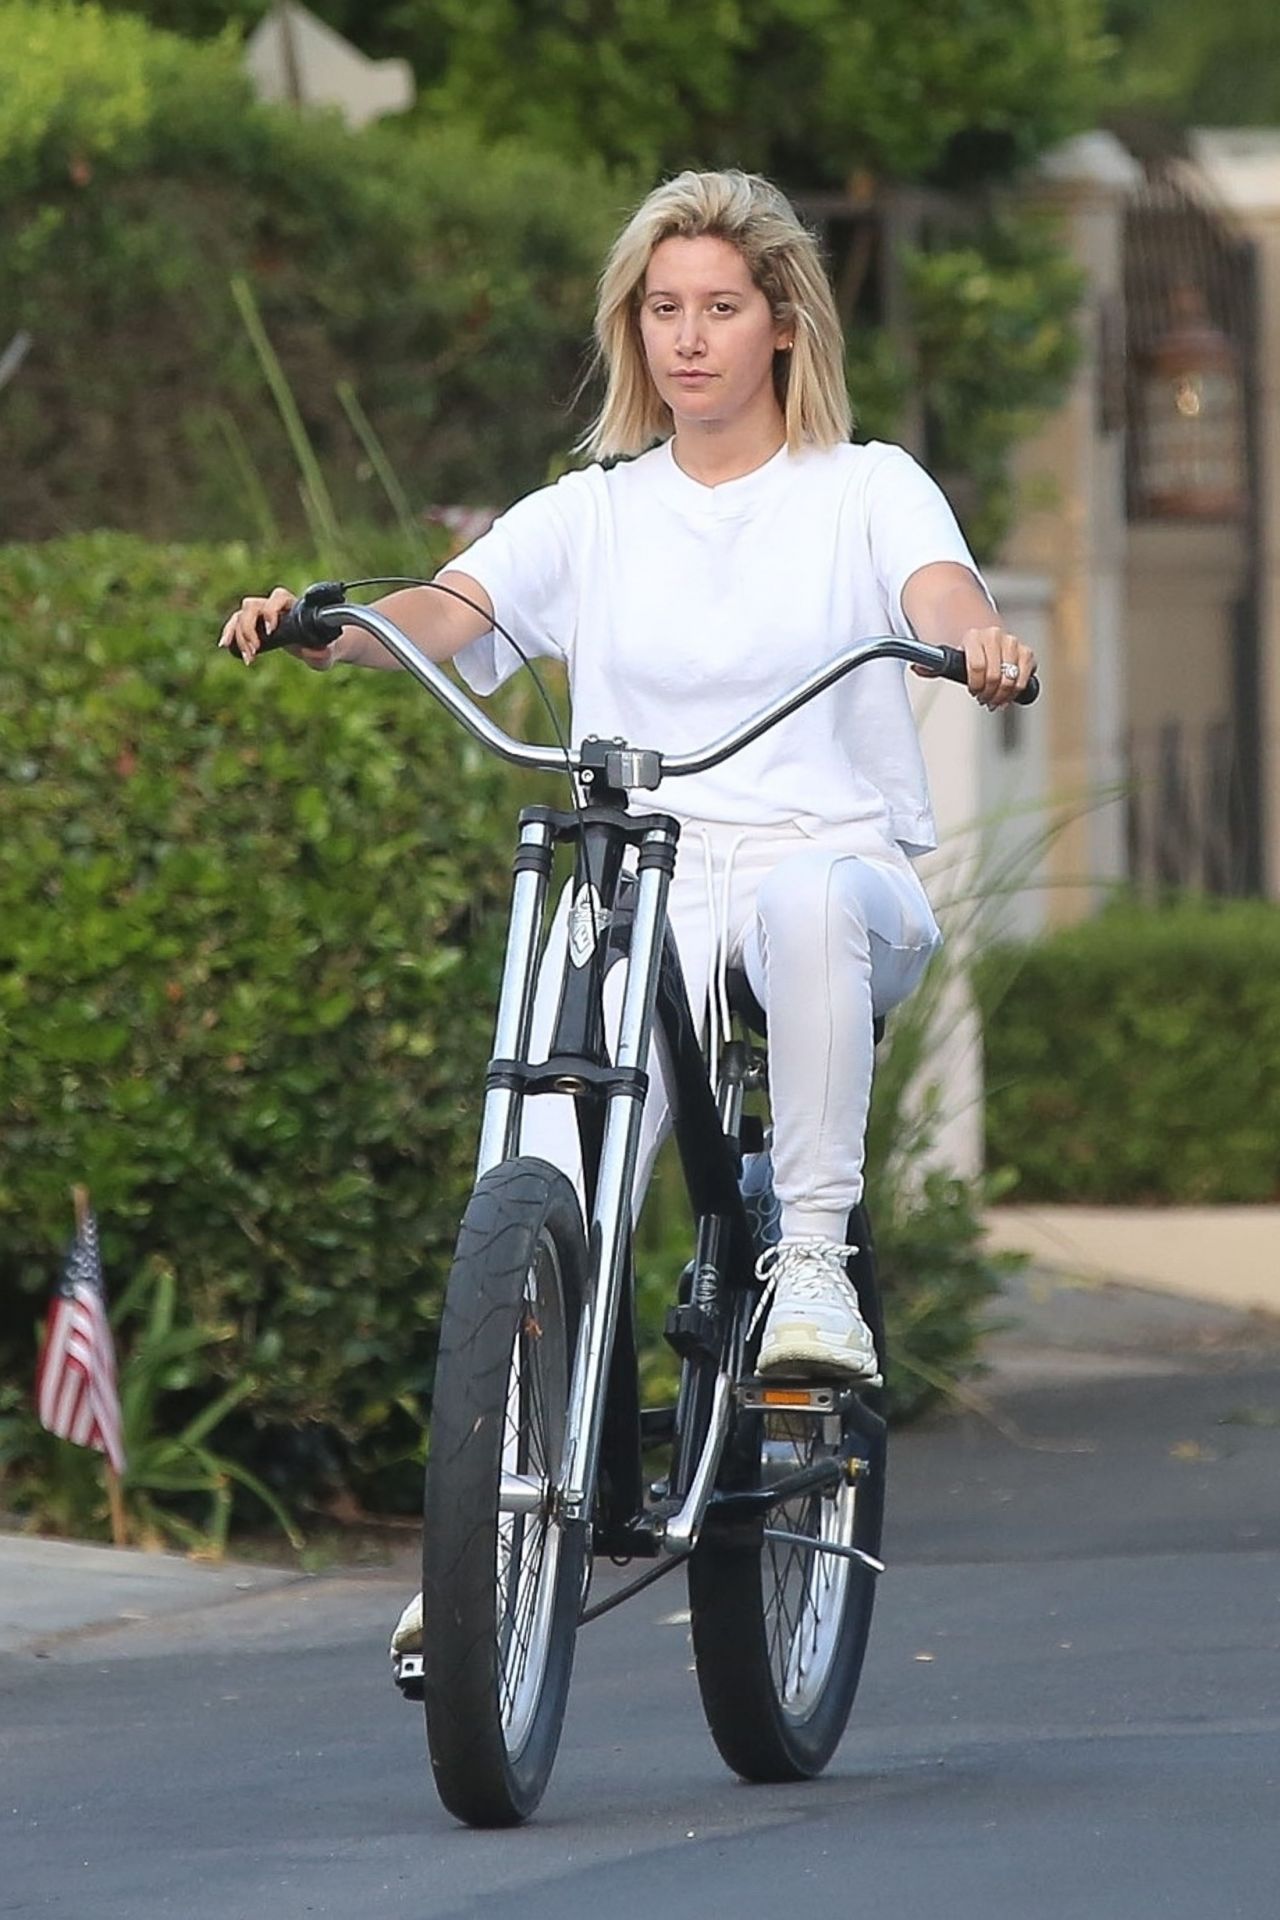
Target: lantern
point(1191, 429)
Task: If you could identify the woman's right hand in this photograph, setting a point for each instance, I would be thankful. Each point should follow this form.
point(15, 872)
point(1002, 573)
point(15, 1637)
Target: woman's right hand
point(241, 634)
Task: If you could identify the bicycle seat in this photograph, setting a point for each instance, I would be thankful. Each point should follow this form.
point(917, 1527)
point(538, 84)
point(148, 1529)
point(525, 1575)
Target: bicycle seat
point(748, 1009)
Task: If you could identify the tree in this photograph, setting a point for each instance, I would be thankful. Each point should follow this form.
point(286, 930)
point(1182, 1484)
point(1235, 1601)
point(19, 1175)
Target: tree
point(1186, 63)
point(194, 19)
point(807, 90)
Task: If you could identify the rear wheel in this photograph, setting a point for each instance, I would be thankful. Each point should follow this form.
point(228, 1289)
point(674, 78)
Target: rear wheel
point(779, 1626)
point(502, 1570)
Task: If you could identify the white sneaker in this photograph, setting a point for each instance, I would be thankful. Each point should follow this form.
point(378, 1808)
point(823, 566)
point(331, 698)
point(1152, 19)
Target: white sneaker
point(406, 1650)
point(814, 1325)
point(407, 1637)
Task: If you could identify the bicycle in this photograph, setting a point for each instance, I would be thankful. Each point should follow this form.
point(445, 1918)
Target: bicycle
point(774, 1495)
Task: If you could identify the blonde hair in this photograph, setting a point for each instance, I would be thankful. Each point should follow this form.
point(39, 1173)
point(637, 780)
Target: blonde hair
point(783, 260)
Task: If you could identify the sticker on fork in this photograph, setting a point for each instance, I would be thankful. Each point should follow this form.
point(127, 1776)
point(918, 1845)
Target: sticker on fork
point(588, 919)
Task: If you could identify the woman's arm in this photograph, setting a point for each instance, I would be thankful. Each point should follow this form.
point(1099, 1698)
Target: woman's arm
point(947, 607)
point(440, 625)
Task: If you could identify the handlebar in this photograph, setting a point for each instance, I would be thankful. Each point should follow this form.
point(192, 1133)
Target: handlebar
point(307, 623)
point(320, 614)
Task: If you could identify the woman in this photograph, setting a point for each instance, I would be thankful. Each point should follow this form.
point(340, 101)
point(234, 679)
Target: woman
point(687, 585)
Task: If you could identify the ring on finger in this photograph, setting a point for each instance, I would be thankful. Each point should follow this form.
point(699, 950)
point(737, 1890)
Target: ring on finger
point(1008, 670)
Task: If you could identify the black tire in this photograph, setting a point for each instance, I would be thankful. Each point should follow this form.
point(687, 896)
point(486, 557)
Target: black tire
point(502, 1592)
point(779, 1631)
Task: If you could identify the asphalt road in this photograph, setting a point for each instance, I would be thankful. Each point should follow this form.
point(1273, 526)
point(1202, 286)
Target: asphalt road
point(1071, 1708)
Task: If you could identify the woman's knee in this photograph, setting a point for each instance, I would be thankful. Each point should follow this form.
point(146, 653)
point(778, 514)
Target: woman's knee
point(805, 893)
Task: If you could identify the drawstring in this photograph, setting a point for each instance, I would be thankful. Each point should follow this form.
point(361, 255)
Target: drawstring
point(719, 1015)
point(722, 969)
point(713, 1011)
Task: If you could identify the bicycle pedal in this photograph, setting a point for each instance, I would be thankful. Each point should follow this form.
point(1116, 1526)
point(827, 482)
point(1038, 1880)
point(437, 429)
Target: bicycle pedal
point(406, 1670)
point(789, 1396)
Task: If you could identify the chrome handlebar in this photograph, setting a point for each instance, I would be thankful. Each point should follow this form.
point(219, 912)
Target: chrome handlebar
point(321, 613)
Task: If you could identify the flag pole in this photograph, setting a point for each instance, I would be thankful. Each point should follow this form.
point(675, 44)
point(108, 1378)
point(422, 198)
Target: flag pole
point(115, 1499)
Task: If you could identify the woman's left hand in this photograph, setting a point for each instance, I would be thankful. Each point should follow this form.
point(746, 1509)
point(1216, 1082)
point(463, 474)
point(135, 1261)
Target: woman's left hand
point(999, 665)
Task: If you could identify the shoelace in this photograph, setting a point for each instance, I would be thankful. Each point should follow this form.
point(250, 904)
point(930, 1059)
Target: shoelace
point(793, 1262)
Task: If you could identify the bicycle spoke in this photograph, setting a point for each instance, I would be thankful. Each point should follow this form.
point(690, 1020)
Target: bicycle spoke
point(783, 1636)
point(803, 1588)
point(514, 1653)
point(537, 1426)
point(526, 1608)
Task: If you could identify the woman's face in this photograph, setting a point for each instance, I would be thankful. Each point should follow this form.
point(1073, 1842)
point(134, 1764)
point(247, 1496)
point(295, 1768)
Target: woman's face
point(709, 336)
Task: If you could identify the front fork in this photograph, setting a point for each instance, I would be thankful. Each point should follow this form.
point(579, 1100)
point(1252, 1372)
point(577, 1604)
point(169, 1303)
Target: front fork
point(609, 1240)
point(624, 1083)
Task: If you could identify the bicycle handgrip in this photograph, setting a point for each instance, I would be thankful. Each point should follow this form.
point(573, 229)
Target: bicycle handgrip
point(306, 624)
point(957, 669)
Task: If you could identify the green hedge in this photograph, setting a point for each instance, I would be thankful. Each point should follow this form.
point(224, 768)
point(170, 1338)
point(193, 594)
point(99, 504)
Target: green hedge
point(1136, 1058)
point(450, 283)
point(248, 936)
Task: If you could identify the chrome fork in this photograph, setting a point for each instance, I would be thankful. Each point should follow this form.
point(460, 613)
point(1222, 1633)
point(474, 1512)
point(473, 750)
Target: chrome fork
point(610, 1229)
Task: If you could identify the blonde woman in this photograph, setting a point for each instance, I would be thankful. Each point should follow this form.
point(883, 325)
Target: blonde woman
point(724, 539)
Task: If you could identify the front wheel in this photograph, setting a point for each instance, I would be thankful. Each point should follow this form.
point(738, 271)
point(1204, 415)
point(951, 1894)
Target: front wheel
point(502, 1571)
point(779, 1626)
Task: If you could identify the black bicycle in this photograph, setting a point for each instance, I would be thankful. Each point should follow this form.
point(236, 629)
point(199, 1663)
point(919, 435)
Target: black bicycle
point(541, 1454)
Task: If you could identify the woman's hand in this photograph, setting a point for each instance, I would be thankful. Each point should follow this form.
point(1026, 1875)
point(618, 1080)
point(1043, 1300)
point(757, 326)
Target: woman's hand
point(241, 634)
point(940, 601)
point(999, 665)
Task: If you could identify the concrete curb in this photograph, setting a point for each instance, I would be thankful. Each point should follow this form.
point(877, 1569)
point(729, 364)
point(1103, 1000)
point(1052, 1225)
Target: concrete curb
point(51, 1589)
point(1051, 1328)
point(1229, 1256)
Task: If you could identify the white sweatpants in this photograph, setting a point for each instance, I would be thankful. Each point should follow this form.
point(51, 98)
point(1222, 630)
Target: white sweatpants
point(833, 929)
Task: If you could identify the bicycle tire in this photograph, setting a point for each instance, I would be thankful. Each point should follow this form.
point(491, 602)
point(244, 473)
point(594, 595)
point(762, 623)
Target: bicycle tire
point(502, 1591)
point(780, 1631)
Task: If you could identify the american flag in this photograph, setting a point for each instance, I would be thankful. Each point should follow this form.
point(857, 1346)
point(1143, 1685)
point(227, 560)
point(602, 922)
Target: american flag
point(76, 1395)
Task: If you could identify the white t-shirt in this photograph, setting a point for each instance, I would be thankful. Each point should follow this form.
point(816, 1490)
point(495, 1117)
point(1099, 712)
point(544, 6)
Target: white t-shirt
point(681, 609)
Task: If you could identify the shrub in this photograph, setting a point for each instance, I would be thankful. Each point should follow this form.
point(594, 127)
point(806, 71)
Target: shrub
point(449, 282)
point(1137, 1057)
point(247, 939)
